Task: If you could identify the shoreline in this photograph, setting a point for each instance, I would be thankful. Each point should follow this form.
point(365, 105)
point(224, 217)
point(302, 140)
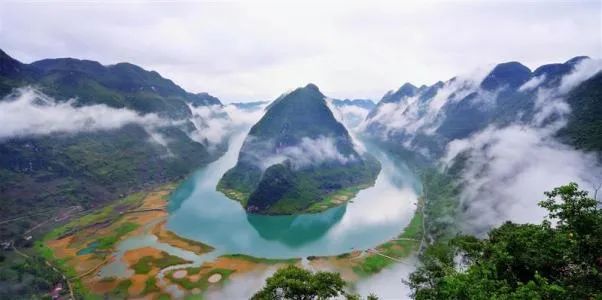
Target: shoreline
point(150, 209)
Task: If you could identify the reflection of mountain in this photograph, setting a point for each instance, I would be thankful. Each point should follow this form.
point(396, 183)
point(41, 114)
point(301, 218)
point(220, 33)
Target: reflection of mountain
point(296, 230)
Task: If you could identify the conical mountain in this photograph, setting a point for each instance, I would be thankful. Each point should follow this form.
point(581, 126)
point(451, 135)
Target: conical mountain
point(298, 158)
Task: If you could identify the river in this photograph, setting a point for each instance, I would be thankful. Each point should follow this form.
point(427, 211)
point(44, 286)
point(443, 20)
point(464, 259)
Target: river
point(197, 211)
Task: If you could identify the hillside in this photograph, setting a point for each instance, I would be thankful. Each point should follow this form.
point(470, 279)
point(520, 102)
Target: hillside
point(427, 118)
point(90, 155)
point(297, 158)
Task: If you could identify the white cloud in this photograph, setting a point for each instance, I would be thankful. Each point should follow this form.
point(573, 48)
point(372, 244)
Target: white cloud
point(509, 168)
point(532, 83)
point(349, 115)
point(212, 124)
point(242, 286)
point(412, 115)
point(389, 283)
point(508, 171)
point(255, 50)
point(308, 152)
point(583, 70)
point(29, 112)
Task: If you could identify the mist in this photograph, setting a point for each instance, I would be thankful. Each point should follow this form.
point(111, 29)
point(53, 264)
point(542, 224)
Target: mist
point(508, 168)
point(28, 112)
point(308, 152)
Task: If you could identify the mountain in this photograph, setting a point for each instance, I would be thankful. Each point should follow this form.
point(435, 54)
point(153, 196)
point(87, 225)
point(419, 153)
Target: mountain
point(351, 112)
point(83, 166)
point(584, 125)
point(255, 105)
point(424, 120)
point(120, 85)
point(298, 158)
point(362, 103)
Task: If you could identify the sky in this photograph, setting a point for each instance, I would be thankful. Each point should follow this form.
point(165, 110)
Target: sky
point(249, 51)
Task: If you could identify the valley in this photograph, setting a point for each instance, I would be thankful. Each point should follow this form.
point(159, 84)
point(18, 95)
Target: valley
point(146, 246)
point(143, 190)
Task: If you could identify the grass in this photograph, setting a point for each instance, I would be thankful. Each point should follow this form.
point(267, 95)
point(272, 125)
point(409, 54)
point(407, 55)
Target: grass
point(99, 215)
point(146, 263)
point(167, 236)
point(107, 242)
point(235, 195)
point(150, 286)
point(400, 247)
point(331, 200)
point(202, 283)
point(121, 290)
point(107, 213)
point(269, 261)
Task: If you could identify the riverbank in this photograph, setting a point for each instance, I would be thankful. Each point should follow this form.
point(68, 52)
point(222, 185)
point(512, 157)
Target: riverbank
point(84, 246)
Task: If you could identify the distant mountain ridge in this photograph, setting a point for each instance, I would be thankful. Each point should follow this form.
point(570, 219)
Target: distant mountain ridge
point(119, 85)
point(89, 167)
point(298, 158)
point(363, 103)
point(428, 117)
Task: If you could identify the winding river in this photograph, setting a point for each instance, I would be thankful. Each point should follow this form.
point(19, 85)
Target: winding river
point(198, 212)
point(375, 215)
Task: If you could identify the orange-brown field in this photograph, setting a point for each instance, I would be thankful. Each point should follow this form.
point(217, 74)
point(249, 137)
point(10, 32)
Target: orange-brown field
point(130, 218)
point(86, 245)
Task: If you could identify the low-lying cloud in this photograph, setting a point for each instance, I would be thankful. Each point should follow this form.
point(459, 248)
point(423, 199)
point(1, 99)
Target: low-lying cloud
point(349, 115)
point(29, 112)
point(308, 152)
point(508, 168)
point(413, 114)
point(215, 123)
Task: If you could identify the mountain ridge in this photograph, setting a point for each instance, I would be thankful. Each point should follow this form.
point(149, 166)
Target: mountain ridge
point(297, 158)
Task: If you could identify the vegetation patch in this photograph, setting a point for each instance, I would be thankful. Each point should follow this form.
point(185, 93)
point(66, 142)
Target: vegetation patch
point(336, 198)
point(398, 248)
point(203, 281)
point(260, 260)
point(145, 264)
point(168, 237)
point(150, 286)
point(107, 242)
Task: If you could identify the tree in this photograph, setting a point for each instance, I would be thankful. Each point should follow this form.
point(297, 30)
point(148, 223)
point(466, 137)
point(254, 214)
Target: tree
point(299, 284)
point(522, 261)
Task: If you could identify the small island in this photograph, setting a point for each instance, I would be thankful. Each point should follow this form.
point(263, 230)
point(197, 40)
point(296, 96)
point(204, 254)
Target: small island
point(298, 159)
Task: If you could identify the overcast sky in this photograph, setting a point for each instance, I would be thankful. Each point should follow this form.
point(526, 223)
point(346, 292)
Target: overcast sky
point(255, 51)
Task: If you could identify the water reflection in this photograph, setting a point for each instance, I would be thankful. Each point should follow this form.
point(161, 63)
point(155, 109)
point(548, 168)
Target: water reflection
point(296, 230)
point(376, 214)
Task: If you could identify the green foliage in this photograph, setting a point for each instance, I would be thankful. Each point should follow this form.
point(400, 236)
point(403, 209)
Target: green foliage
point(295, 283)
point(150, 286)
point(121, 291)
point(26, 277)
point(441, 204)
point(262, 260)
point(283, 188)
point(522, 261)
point(400, 247)
point(146, 263)
point(50, 172)
point(107, 242)
point(584, 127)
